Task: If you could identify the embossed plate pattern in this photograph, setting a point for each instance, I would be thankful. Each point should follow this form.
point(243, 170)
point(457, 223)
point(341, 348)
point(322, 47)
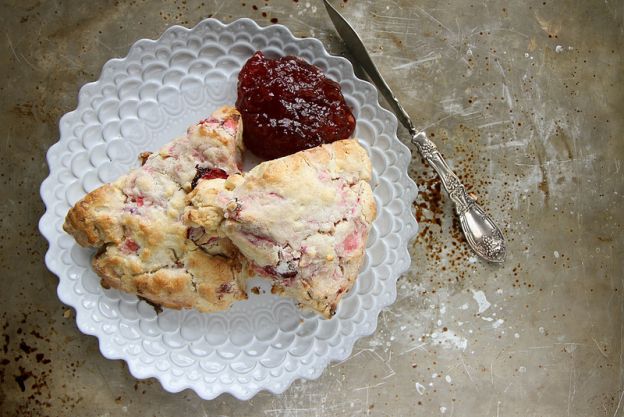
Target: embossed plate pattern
point(146, 99)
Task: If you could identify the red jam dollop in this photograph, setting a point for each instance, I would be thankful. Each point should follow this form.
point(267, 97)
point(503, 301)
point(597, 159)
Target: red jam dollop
point(288, 105)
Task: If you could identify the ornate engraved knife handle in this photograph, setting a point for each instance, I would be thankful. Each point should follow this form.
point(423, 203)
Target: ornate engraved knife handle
point(452, 184)
point(482, 234)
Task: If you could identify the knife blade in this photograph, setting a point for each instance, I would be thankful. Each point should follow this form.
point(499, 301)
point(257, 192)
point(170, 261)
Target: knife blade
point(357, 48)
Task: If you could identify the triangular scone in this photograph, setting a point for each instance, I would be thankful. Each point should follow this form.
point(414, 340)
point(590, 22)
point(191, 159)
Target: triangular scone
point(303, 220)
point(136, 222)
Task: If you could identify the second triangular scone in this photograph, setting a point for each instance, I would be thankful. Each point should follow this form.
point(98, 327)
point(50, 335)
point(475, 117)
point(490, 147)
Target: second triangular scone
point(303, 221)
point(136, 222)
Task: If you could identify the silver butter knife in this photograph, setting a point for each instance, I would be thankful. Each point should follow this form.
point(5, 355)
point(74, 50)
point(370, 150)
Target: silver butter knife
point(482, 234)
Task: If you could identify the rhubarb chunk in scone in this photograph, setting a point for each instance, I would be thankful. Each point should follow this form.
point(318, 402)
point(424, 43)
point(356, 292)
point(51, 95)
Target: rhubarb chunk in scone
point(136, 222)
point(303, 221)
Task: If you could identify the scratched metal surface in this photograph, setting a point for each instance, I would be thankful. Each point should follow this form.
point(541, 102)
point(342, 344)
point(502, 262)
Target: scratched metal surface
point(524, 98)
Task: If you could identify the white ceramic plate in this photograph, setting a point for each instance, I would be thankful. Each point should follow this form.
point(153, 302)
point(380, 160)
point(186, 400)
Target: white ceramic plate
point(148, 98)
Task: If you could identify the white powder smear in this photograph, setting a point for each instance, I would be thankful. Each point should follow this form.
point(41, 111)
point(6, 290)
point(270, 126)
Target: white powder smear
point(481, 300)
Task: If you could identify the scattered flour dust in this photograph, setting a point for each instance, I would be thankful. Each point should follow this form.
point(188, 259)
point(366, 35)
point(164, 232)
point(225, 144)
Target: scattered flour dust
point(481, 300)
point(449, 339)
point(498, 323)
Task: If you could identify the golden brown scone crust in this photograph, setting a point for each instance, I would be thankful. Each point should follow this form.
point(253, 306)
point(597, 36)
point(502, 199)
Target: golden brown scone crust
point(204, 282)
point(136, 222)
point(92, 222)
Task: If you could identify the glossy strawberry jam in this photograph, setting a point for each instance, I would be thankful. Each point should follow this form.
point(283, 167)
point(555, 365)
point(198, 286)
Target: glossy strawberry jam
point(289, 105)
